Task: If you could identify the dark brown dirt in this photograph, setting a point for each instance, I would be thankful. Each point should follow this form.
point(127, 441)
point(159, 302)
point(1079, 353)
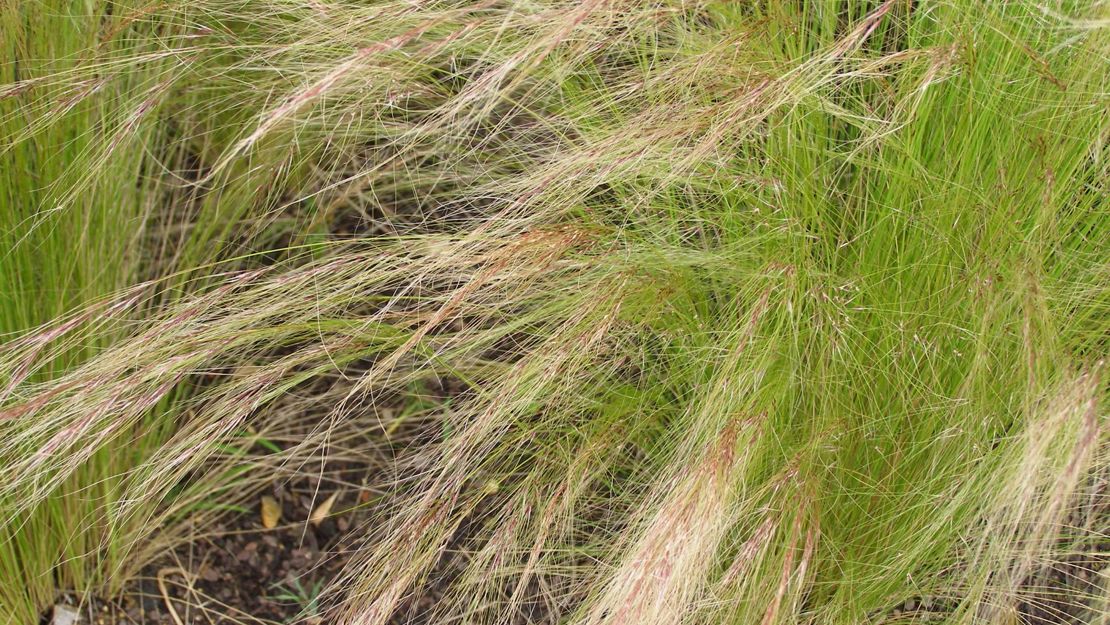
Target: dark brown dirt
point(241, 572)
point(237, 571)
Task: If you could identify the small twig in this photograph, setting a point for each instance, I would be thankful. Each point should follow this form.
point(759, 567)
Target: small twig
point(161, 577)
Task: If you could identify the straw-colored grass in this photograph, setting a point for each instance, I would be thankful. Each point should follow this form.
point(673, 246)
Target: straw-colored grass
point(766, 311)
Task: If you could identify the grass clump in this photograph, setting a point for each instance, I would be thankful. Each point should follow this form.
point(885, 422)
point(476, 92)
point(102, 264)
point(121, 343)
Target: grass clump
point(765, 312)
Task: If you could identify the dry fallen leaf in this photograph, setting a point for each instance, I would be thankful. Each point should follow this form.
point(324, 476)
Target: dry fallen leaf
point(323, 510)
point(65, 615)
point(271, 512)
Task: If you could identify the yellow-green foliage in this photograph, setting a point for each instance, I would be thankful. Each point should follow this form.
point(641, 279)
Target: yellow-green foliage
point(767, 311)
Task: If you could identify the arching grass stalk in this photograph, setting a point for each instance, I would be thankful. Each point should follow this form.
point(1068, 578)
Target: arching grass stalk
point(767, 312)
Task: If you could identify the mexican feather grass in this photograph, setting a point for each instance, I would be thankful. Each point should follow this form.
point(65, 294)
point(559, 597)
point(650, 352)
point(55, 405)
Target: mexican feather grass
point(764, 311)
